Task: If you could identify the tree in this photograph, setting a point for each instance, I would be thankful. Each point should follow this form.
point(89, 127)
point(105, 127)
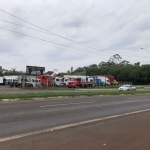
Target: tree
point(124, 62)
point(137, 64)
point(93, 66)
point(115, 59)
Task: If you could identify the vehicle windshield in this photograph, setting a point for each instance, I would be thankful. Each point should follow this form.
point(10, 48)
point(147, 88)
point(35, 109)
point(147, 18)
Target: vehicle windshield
point(73, 79)
point(125, 86)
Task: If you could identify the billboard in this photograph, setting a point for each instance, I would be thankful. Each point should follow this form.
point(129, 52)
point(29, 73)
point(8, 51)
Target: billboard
point(35, 70)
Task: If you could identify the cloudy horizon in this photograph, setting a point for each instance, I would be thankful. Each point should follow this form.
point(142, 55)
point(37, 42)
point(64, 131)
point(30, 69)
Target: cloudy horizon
point(107, 27)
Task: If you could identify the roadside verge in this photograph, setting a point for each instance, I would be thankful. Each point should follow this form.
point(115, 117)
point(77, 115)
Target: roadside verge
point(29, 96)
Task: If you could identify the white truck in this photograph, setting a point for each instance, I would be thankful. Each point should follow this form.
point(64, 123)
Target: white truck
point(54, 74)
point(59, 81)
point(30, 81)
point(33, 82)
point(9, 79)
point(2, 80)
point(104, 79)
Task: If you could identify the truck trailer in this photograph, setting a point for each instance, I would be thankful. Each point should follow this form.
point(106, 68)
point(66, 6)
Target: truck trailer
point(80, 82)
point(2, 81)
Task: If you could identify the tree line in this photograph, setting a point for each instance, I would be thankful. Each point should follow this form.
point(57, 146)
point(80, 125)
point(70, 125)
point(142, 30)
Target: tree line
point(121, 69)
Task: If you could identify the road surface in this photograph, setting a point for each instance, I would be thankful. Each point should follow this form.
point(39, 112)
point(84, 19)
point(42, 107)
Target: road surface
point(122, 123)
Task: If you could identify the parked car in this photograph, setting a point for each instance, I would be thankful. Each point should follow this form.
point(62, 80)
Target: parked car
point(127, 88)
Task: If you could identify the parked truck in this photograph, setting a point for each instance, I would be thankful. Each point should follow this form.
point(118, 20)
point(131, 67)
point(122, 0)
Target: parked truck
point(112, 80)
point(48, 80)
point(108, 80)
point(98, 81)
point(104, 79)
point(68, 77)
point(115, 82)
point(80, 82)
point(33, 82)
point(59, 81)
point(29, 81)
point(2, 81)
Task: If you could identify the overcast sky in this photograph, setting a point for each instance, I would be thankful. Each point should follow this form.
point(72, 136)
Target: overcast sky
point(108, 27)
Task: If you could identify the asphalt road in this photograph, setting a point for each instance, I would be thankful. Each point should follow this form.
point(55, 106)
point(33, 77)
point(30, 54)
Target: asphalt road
point(24, 118)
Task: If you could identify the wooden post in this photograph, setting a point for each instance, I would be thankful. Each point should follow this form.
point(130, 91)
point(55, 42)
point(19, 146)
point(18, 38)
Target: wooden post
point(23, 82)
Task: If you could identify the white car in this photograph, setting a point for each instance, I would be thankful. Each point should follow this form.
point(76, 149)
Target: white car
point(127, 88)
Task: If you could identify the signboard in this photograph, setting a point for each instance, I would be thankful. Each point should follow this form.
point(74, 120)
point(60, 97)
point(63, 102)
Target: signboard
point(34, 70)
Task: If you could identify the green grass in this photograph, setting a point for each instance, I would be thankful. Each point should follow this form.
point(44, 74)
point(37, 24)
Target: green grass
point(96, 87)
point(69, 94)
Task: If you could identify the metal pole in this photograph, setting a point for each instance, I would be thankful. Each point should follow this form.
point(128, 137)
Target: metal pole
point(36, 76)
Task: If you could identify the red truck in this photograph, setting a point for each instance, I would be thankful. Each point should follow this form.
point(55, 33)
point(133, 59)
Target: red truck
point(78, 82)
point(46, 80)
point(111, 79)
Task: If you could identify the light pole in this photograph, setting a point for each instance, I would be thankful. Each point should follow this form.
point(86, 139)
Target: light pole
point(145, 50)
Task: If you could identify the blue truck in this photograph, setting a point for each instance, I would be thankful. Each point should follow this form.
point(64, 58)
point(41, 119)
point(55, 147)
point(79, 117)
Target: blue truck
point(98, 81)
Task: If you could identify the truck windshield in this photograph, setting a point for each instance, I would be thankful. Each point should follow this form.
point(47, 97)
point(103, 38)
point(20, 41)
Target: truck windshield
point(73, 79)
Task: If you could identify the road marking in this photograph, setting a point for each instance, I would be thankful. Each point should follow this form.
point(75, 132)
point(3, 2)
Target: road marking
point(68, 104)
point(69, 125)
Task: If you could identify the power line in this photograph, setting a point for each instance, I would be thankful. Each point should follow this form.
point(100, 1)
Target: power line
point(45, 40)
point(145, 50)
point(80, 43)
point(24, 26)
point(43, 32)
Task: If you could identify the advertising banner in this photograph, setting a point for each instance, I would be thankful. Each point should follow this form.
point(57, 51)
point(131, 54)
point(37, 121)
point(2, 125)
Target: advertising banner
point(35, 70)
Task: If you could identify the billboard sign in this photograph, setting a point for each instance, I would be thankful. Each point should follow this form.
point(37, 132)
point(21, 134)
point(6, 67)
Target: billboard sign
point(35, 70)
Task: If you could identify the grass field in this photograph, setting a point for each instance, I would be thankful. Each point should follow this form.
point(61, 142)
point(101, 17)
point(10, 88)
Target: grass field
point(67, 94)
point(96, 87)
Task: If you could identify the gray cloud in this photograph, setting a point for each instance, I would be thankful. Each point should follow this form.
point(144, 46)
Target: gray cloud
point(114, 26)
